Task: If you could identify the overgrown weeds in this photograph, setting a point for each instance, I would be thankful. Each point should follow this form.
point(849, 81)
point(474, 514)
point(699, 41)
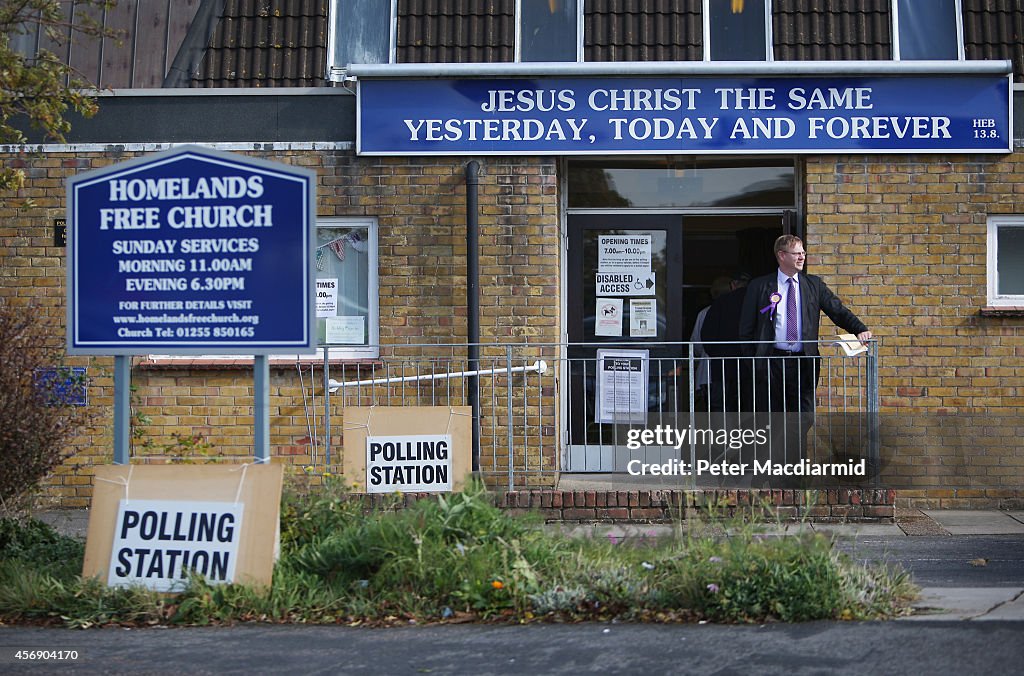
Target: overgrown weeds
point(456, 557)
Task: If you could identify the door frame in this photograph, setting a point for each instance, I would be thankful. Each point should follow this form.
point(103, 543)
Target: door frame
point(570, 454)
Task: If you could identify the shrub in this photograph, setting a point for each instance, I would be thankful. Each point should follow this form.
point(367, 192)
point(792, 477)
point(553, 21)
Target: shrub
point(37, 420)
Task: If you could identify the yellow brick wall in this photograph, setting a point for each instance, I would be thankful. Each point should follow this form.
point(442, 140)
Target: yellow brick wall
point(420, 205)
point(902, 239)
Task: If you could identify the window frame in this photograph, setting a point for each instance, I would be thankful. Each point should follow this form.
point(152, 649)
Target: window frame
point(769, 37)
point(372, 349)
point(336, 71)
point(517, 48)
point(958, 10)
point(994, 299)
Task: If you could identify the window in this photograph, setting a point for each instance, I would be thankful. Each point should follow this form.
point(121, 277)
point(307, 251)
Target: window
point(736, 30)
point(548, 30)
point(1006, 261)
point(345, 296)
point(362, 33)
point(346, 280)
point(927, 29)
point(403, 31)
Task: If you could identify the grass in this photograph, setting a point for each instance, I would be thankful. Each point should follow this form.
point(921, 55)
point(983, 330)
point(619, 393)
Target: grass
point(458, 558)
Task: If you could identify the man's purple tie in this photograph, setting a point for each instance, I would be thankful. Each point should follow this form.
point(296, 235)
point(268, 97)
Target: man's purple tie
point(792, 321)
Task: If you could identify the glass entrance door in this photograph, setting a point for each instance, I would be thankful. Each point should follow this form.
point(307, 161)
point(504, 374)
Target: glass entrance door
point(636, 285)
point(626, 284)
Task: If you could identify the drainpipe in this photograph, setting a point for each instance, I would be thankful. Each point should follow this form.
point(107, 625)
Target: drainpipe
point(473, 298)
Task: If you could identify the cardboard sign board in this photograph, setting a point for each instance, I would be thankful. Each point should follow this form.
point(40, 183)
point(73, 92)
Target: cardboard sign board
point(408, 449)
point(154, 525)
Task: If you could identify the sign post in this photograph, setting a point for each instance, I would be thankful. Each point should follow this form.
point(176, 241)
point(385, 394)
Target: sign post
point(191, 251)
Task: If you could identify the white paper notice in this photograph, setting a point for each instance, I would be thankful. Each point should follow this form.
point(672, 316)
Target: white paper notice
point(621, 386)
point(608, 318)
point(625, 283)
point(624, 252)
point(345, 331)
point(643, 318)
point(326, 297)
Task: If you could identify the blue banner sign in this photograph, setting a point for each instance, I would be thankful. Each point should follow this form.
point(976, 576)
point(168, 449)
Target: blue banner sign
point(191, 251)
point(633, 115)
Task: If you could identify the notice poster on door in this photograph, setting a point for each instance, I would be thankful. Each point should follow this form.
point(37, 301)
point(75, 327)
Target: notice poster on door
point(622, 283)
point(608, 317)
point(621, 386)
point(624, 252)
point(643, 318)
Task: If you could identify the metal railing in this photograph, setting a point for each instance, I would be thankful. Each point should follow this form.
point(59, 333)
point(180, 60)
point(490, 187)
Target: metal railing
point(547, 409)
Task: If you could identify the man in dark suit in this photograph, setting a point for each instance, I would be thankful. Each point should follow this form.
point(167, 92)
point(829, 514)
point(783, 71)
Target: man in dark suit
point(782, 311)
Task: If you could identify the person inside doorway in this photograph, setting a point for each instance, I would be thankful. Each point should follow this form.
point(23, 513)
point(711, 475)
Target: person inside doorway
point(702, 376)
point(730, 380)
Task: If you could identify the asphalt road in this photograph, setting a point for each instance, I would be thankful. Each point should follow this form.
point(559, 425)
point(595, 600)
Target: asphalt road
point(812, 648)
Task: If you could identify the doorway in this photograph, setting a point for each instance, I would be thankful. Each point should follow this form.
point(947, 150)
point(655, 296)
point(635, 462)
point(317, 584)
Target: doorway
point(636, 281)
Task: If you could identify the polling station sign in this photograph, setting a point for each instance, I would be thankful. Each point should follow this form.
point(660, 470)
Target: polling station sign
point(154, 525)
point(159, 544)
point(191, 251)
point(944, 113)
point(409, 463)
point(408, 448)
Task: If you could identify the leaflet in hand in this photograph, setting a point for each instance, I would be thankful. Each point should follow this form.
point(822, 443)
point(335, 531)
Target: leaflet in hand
point(851, 346)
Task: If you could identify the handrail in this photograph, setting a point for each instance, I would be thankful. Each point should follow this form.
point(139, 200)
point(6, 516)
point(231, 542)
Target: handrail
point(537, 366)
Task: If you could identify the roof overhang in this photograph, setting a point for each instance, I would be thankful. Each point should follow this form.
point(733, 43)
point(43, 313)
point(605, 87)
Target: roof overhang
point(675, 68)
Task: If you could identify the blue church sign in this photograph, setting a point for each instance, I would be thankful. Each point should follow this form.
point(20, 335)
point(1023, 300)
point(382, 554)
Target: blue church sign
point(191, 251)
point(682, 115)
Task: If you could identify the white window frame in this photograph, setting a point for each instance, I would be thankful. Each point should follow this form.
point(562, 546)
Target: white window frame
point(895, 13)
point(372, 349)
point(769, 36)
point(336, 71)
point(994, 223)
point(518, 46)
point(334, 352)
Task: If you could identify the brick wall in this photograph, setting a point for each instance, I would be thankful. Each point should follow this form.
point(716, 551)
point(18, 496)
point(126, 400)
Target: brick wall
point(902, 239)
point(669, 506)
point(205, 411)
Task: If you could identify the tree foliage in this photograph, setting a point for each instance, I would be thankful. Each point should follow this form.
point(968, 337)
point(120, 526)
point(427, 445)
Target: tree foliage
point(38, 412)
point(39, 89)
